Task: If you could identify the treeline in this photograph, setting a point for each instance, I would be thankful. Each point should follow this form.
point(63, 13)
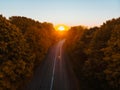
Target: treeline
point(23, 45)
point(95, 55)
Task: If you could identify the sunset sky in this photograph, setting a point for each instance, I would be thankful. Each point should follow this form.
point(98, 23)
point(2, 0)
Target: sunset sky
point(69, 12)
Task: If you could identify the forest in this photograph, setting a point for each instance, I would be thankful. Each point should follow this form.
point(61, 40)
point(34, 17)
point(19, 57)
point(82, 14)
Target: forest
point(23, 46)
point(95, 55)
point(93, 52)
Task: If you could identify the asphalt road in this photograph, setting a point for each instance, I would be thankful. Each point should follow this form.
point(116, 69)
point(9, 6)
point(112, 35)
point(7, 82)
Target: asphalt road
point(55, 73)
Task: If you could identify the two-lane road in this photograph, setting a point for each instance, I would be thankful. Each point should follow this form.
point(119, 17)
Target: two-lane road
point(55, 73)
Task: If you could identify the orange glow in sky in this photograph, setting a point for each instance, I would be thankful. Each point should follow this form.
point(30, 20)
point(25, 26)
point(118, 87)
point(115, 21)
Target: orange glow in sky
point(71, 12)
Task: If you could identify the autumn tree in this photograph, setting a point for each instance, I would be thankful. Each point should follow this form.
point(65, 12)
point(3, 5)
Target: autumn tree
point(24, 43)
point(39, 36)
point(16, 61)
point(95, 55)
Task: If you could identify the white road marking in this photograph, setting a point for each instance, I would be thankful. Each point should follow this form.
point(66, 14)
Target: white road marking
point(51, 86)
point(60, 47)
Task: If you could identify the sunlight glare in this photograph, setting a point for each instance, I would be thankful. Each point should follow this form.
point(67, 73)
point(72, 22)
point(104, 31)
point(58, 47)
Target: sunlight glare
point(61, 27)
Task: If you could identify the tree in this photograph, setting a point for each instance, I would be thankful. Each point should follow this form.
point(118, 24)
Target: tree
point(95, 55)
point(112, 58)
point(14, 56)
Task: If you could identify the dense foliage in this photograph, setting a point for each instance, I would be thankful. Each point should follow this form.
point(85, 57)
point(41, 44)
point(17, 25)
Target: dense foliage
point(94, 52)
point(95, 55)
point(39, 36)
point(23, 45)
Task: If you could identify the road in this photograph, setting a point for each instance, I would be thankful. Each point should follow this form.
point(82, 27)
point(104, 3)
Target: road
point(55, 73)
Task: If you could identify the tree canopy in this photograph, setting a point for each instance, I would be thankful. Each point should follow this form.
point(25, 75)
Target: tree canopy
point(95, 54)
point(23, 45)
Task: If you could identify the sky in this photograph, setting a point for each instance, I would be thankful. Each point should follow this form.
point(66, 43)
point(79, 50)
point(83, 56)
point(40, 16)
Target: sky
point(70, 12)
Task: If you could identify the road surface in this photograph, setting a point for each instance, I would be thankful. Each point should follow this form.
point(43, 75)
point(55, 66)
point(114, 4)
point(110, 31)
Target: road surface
point(55, 73)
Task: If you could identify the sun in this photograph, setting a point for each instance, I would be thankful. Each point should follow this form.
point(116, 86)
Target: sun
point(61, 27)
